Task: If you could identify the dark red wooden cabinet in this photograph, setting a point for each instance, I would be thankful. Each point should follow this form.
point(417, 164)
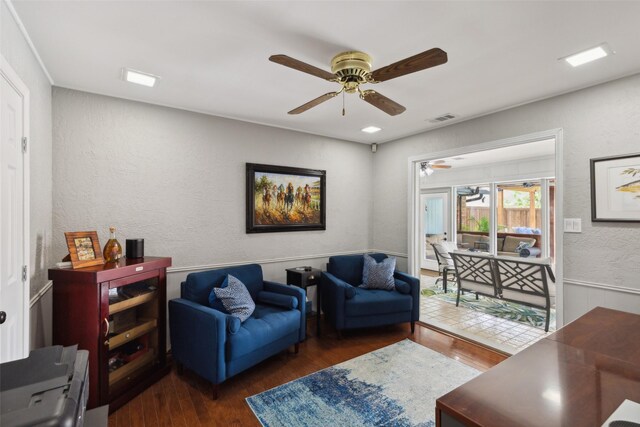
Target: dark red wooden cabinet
point(116, 311)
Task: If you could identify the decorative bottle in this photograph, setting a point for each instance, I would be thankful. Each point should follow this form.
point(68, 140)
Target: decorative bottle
point(112, 250)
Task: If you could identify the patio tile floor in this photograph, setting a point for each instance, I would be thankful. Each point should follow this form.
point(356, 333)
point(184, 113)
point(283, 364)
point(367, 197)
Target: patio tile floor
point(502, 334)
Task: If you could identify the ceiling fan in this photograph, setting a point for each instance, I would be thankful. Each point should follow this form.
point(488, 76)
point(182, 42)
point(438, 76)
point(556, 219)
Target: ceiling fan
point(352, 69)
point(427, 168)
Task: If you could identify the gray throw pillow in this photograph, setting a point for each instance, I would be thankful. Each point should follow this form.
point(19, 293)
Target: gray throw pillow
point(235, 298)
point(378, 275)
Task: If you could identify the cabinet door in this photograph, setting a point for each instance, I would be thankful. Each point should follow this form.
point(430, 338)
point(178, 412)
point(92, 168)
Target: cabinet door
point(134, 313)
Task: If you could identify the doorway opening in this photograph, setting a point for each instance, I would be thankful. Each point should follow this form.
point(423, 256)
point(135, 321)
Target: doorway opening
point(502, 200)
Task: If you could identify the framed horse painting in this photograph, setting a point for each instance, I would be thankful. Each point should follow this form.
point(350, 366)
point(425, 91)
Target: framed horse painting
point(282, 198)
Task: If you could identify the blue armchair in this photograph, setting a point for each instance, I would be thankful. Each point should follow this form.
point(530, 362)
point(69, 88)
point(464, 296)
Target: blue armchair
point(215, 345)
point(346, 306)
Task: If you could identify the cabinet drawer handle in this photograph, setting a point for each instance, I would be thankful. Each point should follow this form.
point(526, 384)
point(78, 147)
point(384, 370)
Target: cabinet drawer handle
point(106, 322)
point(127, 335)
point(311, 277)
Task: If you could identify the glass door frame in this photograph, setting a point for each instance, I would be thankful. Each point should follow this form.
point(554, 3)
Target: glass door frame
point(413, 199)
point(448, 228)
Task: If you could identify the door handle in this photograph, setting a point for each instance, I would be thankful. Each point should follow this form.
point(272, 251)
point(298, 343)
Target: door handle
point(3, 317)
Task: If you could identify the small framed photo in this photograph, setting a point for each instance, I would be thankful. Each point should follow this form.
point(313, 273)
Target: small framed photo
point(282, 198)
point(615, 188)
point(84, 248)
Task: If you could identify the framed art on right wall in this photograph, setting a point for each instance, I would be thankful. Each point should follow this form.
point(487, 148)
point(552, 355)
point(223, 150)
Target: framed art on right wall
point(615, 188)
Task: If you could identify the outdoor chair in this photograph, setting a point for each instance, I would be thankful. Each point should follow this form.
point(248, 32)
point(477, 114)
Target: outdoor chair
point(526, 282)
point(474, 273)
point(445, 263)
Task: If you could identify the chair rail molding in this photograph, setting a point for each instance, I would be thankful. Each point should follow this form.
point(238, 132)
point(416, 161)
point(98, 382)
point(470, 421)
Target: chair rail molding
point(34, 299)
point(278, 260)
point(605, 286)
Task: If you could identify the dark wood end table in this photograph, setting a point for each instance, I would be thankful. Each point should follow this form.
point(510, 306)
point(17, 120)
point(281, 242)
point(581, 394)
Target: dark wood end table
point(304, 277)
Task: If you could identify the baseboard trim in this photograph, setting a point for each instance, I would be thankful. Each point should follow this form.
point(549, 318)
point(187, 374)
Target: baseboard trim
point(40, 294)
point(604, 286)
point(277, 260)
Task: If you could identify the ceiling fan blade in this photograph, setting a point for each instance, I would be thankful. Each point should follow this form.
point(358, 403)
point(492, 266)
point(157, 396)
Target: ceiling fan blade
point(390, 107)
point(319, 100)
point(421, 61)
point(440, 166)
point(287, 61)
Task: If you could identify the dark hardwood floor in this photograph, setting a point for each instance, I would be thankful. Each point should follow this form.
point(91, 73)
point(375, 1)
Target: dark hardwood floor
point(186, 400)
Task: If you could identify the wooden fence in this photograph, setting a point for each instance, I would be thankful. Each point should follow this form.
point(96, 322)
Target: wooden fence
point(512, 217)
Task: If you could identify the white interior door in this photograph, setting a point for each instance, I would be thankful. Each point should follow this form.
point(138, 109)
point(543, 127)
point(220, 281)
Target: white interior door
point(14, 291)
point(434, 225)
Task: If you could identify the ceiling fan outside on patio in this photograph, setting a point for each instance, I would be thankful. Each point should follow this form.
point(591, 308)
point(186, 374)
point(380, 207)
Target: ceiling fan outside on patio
point(427, 168)
point(352, 69)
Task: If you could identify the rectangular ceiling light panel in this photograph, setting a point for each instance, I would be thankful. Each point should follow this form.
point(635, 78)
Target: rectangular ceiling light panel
point(588, 55)
point(140, 78)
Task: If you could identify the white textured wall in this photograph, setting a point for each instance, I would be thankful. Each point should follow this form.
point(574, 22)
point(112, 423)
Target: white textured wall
point(599, 121)
point(177, 179)
point(16, 51)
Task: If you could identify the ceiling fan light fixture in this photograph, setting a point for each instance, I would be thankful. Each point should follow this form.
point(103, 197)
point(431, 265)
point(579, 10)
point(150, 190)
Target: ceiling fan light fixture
point(425, 169)
point(371, 129)
point(138, 77)
point(588, 55)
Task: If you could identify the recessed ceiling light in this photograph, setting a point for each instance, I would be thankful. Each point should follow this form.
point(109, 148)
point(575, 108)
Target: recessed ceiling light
point(371, 129)
point(588, 55)
point(138, 77)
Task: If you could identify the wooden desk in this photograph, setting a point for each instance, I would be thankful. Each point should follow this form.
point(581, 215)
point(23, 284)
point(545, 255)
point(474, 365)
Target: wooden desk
point(575, 377)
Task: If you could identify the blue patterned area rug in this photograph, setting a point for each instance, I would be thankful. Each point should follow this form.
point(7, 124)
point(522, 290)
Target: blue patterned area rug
point(395, 386)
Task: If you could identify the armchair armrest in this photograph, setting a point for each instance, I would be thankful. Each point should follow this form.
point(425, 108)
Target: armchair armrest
point(333, 298)
point(299, 294)
point(198, 334)
point(414, 282)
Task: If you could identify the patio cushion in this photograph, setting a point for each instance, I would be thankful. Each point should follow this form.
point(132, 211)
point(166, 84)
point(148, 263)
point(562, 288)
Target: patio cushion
point(512, 242)
point(469, 238)
point(477, 287)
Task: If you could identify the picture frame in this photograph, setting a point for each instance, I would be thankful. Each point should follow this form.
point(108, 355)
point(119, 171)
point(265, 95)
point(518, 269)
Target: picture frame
point(283, 198)
point(84, 248)
point(615, 188)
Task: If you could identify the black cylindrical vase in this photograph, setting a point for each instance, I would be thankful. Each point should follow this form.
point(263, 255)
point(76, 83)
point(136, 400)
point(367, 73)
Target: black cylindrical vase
point(135, 248)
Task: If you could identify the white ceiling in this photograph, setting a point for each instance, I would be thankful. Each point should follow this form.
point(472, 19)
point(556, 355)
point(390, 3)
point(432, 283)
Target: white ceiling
point(532, 150)
point(213, 56)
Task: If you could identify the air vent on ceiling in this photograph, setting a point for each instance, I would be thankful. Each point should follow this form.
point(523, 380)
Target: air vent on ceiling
point(443, 118)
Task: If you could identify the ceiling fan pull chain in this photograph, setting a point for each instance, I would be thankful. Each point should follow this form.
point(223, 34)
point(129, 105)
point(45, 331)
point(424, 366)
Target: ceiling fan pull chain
point(343, 111)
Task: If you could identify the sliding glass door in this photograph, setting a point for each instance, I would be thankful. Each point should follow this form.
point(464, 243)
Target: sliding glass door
point(473, 217)
point(504, 218)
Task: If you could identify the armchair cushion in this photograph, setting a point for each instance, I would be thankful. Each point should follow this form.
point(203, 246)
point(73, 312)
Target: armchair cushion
point(235, 298)
point(367, 302)
point(349, 267)
point(198, 285)
point(378, 275)
point(267, 324)
point(402, 287)
point(279, 300)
